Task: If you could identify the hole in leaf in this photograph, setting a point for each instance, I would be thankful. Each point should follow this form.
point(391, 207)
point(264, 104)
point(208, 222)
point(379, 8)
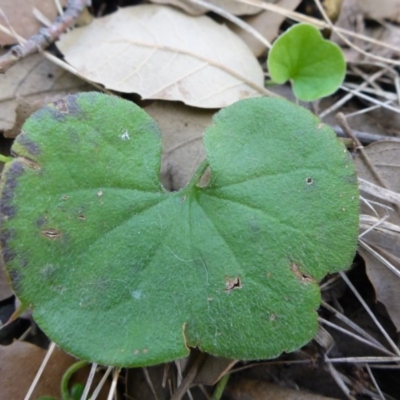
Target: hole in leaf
point(233, 283)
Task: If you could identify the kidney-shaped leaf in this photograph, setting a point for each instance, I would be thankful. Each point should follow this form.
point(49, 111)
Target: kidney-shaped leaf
point(120, 272)
point(162, 53)
point(316, 66)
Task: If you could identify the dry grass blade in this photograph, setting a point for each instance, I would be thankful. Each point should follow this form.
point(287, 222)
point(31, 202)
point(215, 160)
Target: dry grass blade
point(40, 371)
point(89, 381)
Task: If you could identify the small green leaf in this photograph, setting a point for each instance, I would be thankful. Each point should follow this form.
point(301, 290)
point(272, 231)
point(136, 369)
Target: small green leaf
point(316, 66)
point(120, 272)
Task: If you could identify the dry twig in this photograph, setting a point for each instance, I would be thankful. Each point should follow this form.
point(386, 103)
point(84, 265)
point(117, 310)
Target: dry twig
point(45, 37)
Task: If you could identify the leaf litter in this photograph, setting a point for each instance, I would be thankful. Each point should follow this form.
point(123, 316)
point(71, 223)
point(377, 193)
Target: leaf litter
point(340, 374)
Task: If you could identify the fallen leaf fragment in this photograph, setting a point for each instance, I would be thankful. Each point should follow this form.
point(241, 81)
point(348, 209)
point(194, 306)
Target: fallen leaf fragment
point(384, 238)
point(30, 84)
point(233, 7)
point(162, 53)
point(20, 362)
point(182, 129)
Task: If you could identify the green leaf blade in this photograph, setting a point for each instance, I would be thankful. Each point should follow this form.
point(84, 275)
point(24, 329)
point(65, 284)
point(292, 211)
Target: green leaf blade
point(315, 66)
point(120, 272)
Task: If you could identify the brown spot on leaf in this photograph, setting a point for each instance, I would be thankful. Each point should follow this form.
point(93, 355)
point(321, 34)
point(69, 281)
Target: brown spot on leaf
point(29, 163)
point(81, 217)
point(6, 236)
point(51, 233)
point(232, 283)
point(304, 278)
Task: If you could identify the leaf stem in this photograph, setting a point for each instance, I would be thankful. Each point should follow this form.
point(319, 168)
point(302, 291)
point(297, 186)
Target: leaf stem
point(219, 390)
point(65, 395)
point(198, 174)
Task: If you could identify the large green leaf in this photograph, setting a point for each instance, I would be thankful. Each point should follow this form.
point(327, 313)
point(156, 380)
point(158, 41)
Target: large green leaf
point(316, 66)
point(120, 272)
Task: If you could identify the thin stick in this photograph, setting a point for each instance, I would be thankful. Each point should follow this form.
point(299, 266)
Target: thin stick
point(350, 323)
point(40, 371)
point(364, 359)
point(371, 375)
point(114, 384)
point(187, 381)
point(371, 314)
point(101, 383)
point(338, 379)
point(89, 381)
point(45, 37)
point(237, 21)
point(360, 339)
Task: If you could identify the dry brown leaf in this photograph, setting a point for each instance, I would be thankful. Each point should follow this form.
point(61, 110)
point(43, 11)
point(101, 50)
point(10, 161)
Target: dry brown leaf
point(384, 238)
point(233, 7)
point(162, 53)
point(182, 130)
point(389, 9)
point(21, 360)
point(20, 16)
point(248, 389)
point(266, 23)
point(34, 80)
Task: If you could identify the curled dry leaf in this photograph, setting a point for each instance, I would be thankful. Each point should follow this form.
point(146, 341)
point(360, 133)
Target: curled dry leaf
point(162, 53)
point(384, 239)
point(234, 7)
point(29, 85)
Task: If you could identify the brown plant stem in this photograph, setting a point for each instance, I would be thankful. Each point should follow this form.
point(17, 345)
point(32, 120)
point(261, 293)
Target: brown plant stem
point(45, 37)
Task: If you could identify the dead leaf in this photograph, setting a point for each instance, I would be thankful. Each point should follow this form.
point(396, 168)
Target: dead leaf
point(384, 238)
point(34, 80)
point(19, 14)
point(21, 360)
point(182, 130)
point(389, 9)
point(266, 23)
point(248, 389)
point(233, 7)
point(162, 53)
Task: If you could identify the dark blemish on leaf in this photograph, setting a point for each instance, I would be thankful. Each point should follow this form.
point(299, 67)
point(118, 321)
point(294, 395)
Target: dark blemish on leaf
point(81, 217)
point(51, 233)
point(304, 278)
point(183, 198)
point(65, 197)
point(7, 210)
point(41, 221)
point(28, 144)
point(309, 180)
point(232, 283)
point(6, 236)
point(15, 278)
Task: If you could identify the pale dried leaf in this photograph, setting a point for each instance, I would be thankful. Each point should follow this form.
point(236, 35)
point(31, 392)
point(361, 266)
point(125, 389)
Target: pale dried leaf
point(19, 14)
point(382, 225)
point(162, 53)
point(232, 6)
point(182, 130)
point(266, 23)
point(34, 80)
point(21, 360)
point(389, 9)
